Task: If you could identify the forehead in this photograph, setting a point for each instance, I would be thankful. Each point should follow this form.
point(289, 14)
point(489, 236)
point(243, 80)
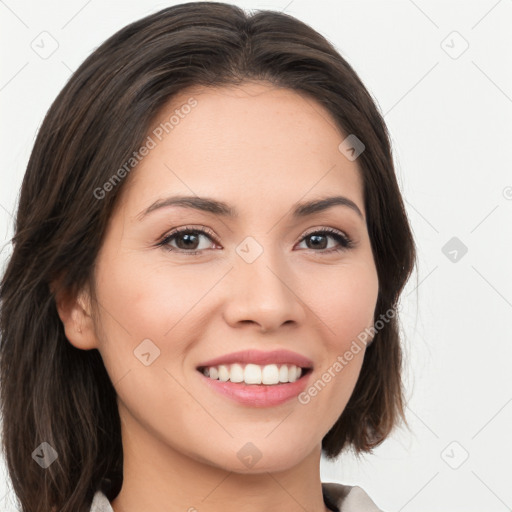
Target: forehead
point(250, 142)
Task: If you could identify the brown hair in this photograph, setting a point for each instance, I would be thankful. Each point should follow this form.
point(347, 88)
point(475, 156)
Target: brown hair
point(52, 392)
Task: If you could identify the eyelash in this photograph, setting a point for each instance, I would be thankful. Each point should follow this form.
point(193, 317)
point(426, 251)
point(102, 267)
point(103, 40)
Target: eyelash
point(345, 242)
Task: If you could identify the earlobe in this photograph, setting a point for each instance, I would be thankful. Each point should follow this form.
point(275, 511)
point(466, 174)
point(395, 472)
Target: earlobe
point(75, 315)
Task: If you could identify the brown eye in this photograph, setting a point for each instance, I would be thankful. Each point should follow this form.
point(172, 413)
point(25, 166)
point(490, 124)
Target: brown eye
point(187, 240)
point(319, 240)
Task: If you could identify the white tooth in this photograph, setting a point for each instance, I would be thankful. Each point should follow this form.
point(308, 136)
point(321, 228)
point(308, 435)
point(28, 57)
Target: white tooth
point(270, 374)
point(236, 373)
point(252, 374)
point(283, 373)
point(223, 373)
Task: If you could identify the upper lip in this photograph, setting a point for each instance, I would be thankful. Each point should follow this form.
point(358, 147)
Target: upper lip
point(261, 357)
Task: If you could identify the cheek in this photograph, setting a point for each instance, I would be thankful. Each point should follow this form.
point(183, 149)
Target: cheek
point(346, 302)
point(145, 297)
point(158, 302)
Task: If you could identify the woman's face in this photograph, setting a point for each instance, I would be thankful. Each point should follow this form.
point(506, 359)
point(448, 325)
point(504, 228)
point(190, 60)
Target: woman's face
point(259, 280)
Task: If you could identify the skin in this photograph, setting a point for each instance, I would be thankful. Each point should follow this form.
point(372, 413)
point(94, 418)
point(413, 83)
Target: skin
point(260, 149)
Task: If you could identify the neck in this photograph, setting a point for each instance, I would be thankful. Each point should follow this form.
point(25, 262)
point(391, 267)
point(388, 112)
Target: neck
point(158, 478)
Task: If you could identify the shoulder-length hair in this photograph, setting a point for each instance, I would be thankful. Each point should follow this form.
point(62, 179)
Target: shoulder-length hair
point(52, 392)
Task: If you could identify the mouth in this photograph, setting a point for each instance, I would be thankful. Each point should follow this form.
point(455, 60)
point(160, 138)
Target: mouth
point(254, 374)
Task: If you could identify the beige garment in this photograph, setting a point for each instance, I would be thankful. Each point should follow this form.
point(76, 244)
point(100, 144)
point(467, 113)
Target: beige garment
point(349, 498)
point(346, 497)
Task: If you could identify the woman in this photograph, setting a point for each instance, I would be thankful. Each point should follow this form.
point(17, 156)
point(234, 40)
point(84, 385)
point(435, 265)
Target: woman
point(209, 250)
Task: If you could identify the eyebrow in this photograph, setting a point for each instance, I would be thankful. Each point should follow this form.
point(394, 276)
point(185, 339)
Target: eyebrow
point(220, 208)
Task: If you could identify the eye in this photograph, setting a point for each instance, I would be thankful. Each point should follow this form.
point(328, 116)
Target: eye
point(187, 239)
point(317, 240)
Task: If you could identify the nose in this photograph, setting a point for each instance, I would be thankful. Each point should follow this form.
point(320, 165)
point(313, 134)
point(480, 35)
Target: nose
point(265, 293)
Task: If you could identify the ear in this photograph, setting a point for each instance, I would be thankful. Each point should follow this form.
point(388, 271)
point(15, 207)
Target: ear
point(75, 314)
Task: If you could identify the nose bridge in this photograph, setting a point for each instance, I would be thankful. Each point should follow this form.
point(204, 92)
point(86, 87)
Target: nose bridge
point(261, 289)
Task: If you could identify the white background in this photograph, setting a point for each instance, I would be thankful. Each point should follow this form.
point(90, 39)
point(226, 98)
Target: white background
point(451, 124)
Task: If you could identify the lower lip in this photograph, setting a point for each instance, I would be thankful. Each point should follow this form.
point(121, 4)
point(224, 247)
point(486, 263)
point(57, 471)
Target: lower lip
point(258, 395)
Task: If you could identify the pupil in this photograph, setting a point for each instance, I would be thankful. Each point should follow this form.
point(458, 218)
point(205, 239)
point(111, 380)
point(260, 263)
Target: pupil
point(316, 237)
point(187, 237)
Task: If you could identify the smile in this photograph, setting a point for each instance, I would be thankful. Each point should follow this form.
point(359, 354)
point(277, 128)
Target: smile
point(268, 375)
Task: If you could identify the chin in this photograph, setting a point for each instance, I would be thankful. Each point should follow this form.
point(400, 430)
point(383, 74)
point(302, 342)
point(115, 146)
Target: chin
point(258, 457)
